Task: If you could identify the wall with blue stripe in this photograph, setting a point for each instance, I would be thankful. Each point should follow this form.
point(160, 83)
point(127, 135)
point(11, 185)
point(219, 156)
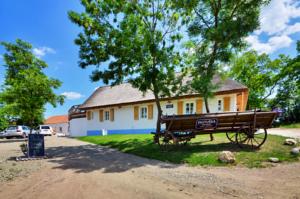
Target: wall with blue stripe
point(121, 131)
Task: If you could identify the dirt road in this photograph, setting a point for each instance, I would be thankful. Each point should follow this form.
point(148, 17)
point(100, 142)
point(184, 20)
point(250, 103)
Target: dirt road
point(81, 170)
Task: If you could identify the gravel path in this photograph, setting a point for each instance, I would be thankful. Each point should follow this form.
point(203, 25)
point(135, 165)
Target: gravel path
point(287, 132)
point(81, 170)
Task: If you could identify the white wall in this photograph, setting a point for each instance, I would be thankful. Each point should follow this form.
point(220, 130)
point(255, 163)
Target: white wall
point(78, 127)
point(60, 126)
point(124, 115)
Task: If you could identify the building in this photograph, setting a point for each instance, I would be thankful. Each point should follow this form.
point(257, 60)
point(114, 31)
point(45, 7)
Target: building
point(123, 109)
point(77, 121)
point(59, 123)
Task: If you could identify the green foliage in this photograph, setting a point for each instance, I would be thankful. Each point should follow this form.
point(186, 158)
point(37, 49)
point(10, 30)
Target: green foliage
point(288, 93)
point(26, 88)
point(3, 118)
point(199, 152)
point(218, 28)
point(260, 74)
point(133, 41)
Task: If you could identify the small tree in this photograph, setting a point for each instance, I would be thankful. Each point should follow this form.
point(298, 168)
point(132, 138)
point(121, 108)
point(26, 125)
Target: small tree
point(260, 74)
point(218, 29)
point(133, 41)
point(288, 92)
point(26, 88)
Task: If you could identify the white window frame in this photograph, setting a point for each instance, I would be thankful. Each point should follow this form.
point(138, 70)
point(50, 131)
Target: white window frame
point(191, 111)
point(220, 105)
point(143, 112)
point(106, 115)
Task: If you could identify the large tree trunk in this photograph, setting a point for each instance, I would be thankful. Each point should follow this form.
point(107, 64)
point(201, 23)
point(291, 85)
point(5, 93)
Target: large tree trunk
point(159, 113)
point(206, 104)
point(207, 111)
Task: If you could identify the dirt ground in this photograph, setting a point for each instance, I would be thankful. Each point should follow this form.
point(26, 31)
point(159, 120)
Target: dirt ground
point(81, 170)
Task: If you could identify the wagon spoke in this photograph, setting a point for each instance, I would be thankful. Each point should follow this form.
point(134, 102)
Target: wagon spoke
point(256, 141)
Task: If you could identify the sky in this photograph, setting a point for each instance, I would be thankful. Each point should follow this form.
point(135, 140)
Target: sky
point(46, 26)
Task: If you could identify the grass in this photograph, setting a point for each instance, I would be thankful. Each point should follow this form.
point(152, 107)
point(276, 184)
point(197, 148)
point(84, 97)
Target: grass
point(295, 125)
point(199, 152)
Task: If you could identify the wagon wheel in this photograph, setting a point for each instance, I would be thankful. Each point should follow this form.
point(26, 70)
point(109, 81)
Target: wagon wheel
point(253, 138)
point(231, 136)
point(163, 140)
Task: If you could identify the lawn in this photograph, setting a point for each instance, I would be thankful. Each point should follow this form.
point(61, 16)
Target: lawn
point(295, 125)
point(200, 151)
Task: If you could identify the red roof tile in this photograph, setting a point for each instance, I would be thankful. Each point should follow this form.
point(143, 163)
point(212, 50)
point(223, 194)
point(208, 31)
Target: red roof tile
point(57, 119)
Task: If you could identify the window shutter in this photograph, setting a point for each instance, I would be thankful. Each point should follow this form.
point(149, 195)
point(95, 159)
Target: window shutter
point(136, 113)
point(150, 111)
point(180, 107)
point(199, 106)
point(101, 115)
point(88, 115)
point(111, 114)
point(226, 104)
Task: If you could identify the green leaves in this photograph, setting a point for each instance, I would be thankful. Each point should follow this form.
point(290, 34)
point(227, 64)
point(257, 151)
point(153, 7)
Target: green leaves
point(260, 74)
point(130, 40)
point(26, 89)
point(218, 29)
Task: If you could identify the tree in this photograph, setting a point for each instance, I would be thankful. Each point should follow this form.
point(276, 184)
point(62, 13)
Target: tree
point(260, 74)
point(218, 28)
point(3, 118)
point(288, 92)
point(26, 88)
point(133, 41)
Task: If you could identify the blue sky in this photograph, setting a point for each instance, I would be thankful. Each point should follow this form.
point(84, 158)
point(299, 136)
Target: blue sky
point(45, 24)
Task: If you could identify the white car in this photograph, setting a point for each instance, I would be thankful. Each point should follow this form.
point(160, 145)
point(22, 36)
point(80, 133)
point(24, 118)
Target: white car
point(16, 131)
point(45, 130)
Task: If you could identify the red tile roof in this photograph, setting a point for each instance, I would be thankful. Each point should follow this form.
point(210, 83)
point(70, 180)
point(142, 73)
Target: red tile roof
point(57, 119)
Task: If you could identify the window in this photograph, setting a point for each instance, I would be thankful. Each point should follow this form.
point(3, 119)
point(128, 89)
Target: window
point(106, 115)
point(144, 112)
point(169, 106)
point(60, 129)
point(45, 127)
point(90, 115)
point(219, 105)
point(189, 108)
point(12, 128)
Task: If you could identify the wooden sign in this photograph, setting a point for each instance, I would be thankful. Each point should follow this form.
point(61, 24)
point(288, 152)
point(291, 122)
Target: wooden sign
point(206, 123)
point(36, 145)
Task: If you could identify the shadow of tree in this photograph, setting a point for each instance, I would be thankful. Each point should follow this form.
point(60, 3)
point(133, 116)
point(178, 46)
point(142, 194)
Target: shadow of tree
point(89, 158)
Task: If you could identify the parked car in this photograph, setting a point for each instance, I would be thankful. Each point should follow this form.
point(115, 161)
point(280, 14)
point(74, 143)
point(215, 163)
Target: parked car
point(45, 130)
point(16, 131)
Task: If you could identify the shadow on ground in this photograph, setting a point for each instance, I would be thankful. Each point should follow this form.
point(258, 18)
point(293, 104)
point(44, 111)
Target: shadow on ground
point(88, 158)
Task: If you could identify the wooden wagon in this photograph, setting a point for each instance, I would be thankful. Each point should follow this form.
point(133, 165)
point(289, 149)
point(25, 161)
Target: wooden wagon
point(242, 128)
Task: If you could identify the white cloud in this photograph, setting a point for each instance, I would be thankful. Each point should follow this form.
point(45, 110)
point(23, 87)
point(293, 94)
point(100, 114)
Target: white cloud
point(42, 51)
point(292, 29)
point(276, 16)
point(72, 95)
point(273, 44)
point(275, 21)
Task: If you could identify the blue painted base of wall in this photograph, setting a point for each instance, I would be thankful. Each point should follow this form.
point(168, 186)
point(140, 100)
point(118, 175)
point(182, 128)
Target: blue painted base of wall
point(91, 133)
point(122, 131)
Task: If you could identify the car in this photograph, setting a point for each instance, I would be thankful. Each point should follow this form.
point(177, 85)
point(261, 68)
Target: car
point(16, 131)
point(45, 130)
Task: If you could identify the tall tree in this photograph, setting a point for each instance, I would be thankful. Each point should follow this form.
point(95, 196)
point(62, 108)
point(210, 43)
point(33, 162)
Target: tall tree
point(26, 88)
point(260, 74)
point(133, 41)
point(218, 28)
point(288, 92)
